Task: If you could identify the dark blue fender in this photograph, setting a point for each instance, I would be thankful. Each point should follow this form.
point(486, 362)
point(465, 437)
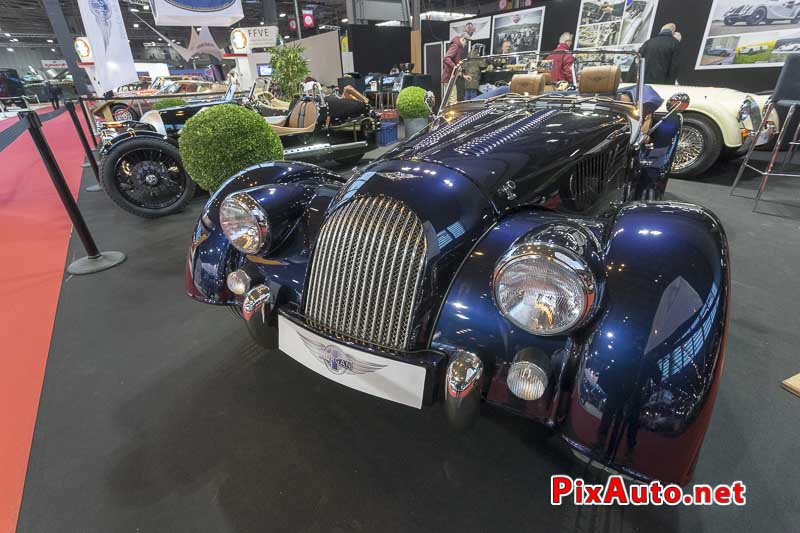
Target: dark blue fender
point(635, 387)
point(655, 162)
point(130, 134)
point(287, 190)
point(645, 389)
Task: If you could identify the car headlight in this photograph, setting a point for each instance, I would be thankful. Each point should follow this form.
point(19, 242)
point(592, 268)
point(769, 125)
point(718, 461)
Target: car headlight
point(153, 118)
point(244, 223)
point(750, 110)
point(543, 288)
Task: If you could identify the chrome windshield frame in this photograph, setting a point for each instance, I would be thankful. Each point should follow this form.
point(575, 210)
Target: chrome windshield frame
point(586, 51)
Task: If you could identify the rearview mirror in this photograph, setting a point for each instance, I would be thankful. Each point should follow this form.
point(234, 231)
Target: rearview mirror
point(678, 102)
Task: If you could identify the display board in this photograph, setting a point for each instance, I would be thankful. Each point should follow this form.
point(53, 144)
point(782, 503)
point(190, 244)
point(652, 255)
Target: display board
point(750, 33)
point(623, 24)
point(523, 29)
point(196, 12)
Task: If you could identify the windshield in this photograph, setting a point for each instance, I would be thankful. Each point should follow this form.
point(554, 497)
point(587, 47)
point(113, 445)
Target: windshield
point(595, 74)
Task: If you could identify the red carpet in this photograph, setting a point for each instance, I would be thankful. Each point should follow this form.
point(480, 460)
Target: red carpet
point(8, 122)
point(34, 235)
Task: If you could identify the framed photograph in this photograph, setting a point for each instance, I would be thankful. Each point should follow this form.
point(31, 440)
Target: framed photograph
point(750, 33)
point(605, 23)
point(521, 29)
point(478, 29)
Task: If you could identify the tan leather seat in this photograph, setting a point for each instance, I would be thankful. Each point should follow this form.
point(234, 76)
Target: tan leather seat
point(603, 79)
point(302, 119)
point(527, 84)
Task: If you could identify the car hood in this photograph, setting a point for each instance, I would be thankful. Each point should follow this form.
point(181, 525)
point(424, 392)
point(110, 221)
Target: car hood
point(499, 144)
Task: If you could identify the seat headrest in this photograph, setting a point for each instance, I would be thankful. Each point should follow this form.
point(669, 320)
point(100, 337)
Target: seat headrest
point(602, 79)
point(527, 84)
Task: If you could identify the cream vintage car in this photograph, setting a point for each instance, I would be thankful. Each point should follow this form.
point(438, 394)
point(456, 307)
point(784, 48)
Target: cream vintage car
point(718, 124)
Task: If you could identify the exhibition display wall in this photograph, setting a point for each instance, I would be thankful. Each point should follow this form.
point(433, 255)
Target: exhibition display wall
point(630, 22)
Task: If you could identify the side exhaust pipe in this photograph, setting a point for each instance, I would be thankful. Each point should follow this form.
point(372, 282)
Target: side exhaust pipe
point(316, 150)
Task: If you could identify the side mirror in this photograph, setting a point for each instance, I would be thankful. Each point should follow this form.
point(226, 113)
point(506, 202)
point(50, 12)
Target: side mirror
point(678, 103)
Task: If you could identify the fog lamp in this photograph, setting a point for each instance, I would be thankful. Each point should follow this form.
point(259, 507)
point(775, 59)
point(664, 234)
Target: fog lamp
point(238, 282)
point(526, 380)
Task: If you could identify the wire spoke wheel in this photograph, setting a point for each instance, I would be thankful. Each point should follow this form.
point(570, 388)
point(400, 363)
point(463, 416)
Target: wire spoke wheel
point(150, 179)
point(122, 113)
point(690, 148)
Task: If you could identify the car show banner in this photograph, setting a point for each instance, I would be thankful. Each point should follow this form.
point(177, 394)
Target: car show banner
point(245, 40)
point(105, 31)
point(623, 24)
point(523, 29)
point(750, 33)
point(196, 12)
point(477, 29)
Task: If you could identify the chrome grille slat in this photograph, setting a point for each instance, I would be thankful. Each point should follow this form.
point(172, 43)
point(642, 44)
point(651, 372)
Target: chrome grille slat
point(366, 273)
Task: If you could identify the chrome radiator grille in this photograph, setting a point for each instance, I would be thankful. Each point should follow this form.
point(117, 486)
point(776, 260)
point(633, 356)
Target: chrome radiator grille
point(366, 273)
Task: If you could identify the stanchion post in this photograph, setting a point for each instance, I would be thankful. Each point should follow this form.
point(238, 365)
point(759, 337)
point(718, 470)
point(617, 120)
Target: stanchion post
point(70, 105)
point(89, 124)
point(95, 260)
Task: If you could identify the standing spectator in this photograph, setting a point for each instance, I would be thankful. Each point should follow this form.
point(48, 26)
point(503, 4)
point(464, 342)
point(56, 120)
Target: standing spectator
point(55, 94)
point(562, 63)
point(472, 73)
point(660, 55)
point(455, 53)
point(507, 48)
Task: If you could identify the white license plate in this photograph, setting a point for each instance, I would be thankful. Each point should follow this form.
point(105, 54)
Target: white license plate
point(386, 378)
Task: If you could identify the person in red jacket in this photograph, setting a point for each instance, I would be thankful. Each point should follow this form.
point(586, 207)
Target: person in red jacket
point(455, 53)
point(562, 63)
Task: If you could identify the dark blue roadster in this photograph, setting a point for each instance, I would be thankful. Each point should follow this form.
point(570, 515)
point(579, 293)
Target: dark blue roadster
point(516, 252)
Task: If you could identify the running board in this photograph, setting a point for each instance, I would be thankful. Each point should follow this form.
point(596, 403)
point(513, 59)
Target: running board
point(314, 150)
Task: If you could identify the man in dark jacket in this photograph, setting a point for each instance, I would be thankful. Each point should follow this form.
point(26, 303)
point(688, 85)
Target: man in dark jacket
point(455, 53)
point(660, 55)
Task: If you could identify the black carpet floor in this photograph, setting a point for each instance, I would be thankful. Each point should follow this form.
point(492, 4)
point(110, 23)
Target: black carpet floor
point(159, 414)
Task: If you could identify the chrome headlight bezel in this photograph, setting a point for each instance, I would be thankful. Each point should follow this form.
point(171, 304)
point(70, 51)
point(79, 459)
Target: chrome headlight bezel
point(259, 232)
point(550, 255)
point(750, 110)
point(153, 118)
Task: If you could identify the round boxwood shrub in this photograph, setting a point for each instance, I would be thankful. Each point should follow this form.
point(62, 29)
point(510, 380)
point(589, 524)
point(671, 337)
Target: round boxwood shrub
point(224, 139)
point(411, 103)
point(169, 102)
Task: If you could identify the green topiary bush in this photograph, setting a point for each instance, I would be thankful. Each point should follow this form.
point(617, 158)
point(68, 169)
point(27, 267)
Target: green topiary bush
point(169, 102)
point(223, 140)
point(411, 103)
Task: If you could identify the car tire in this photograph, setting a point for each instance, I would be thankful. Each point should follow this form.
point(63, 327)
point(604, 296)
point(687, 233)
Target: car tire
point(122, 112)
point(758, 16)
point(729, 21)
point(703, 138)
point(136, 162)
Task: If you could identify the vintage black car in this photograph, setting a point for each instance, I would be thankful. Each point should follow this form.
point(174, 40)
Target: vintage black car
point(516, 252)
point(140, 165)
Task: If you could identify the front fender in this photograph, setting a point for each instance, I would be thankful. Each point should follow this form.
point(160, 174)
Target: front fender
point(634, 388)
point(133, 134)
point(211, 257)
point(644, 391)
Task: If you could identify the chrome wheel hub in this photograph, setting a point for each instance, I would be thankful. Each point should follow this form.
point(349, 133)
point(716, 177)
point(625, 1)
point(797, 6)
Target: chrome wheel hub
point(690, 146)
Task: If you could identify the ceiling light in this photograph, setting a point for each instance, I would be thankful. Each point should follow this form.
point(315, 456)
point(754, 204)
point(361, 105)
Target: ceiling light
point(199, 29)
point(286, 37)
point(345, 21)
point(262, 22)
point(135, 24)
point(133, 10)
point(52, 49)
point(10, 49)
point(281, 16)
point(160, 39)
point(49, 40)
point(389, 23)
point(14, 40)
point(7, 34)
point(146, 8)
